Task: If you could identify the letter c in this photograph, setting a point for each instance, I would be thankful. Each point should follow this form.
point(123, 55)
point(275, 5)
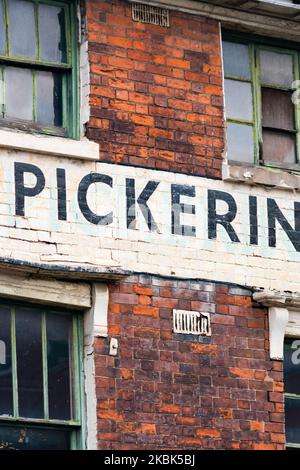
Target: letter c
point(83, 187)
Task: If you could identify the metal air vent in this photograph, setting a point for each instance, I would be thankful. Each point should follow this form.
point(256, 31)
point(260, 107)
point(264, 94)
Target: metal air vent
point(152, 15)
point(191, 322)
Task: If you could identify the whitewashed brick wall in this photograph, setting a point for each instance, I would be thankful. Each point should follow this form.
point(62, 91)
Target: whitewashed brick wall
point(40, 237)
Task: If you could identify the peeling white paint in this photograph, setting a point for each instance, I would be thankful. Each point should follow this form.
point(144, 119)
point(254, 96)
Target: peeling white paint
point(40, 237)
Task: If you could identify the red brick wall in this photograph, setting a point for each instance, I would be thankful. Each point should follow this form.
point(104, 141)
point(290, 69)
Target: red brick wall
point(156, 93)
point(156, 101)
point(164, 391)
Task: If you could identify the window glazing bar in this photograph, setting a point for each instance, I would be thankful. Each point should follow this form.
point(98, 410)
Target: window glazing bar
point(45, 366)
point(14, 363)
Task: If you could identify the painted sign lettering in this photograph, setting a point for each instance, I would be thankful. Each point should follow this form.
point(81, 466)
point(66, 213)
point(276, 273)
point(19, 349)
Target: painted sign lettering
point(215, 218)
point(95, 215)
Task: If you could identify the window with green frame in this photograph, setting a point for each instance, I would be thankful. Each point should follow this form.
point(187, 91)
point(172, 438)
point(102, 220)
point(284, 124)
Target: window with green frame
point(263, 121)
point(40, 378)
point(38, 66)
point(292, 392)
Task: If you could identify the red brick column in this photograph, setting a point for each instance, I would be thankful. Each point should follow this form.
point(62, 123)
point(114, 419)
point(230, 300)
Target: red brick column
point(156, 93)
point(165, 390)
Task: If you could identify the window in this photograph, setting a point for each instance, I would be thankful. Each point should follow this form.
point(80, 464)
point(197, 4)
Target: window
point(38, 89)
point(40, 391)
point(292, 391)
point(263, 122)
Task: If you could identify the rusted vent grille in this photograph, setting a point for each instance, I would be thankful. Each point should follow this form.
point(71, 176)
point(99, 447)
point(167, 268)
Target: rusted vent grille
point(148, 14)
point(192, 323)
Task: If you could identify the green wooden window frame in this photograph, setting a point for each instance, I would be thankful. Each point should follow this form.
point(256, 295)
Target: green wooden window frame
point(255, 45)
point(68, 69)
point(75, 426)
point(288, 395)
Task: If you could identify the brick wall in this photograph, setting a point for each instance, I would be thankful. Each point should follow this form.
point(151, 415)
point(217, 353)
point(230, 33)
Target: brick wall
point(156, 94)
point(168, 391)
point(156, 101)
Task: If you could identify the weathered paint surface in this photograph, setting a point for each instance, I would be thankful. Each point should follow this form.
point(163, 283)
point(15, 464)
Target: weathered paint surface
point(224, 234)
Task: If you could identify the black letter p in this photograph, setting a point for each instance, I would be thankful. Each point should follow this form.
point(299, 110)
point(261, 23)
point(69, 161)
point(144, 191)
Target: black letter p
point(20, 190)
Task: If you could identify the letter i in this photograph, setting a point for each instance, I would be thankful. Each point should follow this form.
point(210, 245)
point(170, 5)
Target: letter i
point(61, 194)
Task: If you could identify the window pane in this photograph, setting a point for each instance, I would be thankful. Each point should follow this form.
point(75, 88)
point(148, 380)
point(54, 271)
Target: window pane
point(240, 142)
point(238, 100)
point(292, 420)
point(29, 362)
point(19, 100)
point(6, 394)
point(236, 60)
point(277, 109)
point(291, 366)
point(26, 438)
point(2, 91)
point(59, 365)
point(276, 68)
point(279, 147)
point(49, 98)
point(22, 38)
point(52, 33)
point(2, 30)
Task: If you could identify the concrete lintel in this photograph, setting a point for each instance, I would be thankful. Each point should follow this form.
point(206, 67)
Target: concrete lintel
point(63, 271)
point(83, 149)
point(259, 175)
point(262, 23)
point(47, 291)
point(275, 298)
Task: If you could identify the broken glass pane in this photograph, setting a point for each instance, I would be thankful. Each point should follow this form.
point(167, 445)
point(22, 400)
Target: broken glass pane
point(6, 393)
point(277, 109)
point(236, 60)
point(238, 100)
point(18, 88)
point(52, 33)
point(276, 68)
point(279, 147)
point(240, 142)
point(22, 36)
point(49, 98)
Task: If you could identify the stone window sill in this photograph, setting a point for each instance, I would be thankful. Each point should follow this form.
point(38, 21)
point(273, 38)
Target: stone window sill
point(49, 145)
point(259, 175)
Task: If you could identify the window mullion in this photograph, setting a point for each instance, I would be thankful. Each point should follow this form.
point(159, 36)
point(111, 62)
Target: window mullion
point(45, 366)
point(254, 61)
point(2, 93)
point(74, 375)
point(14, 363)
point(74, 81)
point(34, 104)
point(21, 61)
point(37, 35)
point(6, 26)
point(69, 33)
point(297, 105)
